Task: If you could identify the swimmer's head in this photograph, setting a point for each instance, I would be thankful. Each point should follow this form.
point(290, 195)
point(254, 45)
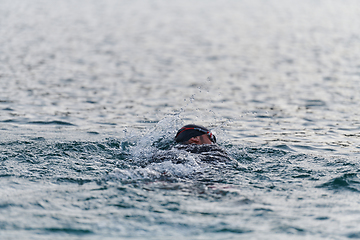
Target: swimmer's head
point(195, 134)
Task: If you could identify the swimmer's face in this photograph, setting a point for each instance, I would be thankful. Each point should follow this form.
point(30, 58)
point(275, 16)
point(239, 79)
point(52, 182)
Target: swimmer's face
point(199, 140)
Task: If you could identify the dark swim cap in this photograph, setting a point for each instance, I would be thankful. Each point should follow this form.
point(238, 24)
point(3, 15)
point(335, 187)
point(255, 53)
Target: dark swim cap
point(192, 130)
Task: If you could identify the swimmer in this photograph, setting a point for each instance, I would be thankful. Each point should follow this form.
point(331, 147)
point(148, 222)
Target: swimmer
point(194, 134)
point(196, 140)
point(199, 140)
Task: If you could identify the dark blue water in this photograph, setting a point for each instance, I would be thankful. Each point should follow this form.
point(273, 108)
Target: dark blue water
point(91, 91)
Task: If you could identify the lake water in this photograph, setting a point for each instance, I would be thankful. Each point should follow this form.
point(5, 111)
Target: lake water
point(89, 90)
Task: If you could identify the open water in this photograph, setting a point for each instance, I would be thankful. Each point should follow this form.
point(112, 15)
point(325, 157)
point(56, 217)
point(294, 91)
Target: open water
point(91, 90)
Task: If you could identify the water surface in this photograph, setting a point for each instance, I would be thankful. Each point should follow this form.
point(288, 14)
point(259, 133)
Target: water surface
point(90, 90)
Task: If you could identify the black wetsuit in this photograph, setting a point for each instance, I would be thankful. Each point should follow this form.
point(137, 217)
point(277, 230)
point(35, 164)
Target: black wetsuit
point(210, 153)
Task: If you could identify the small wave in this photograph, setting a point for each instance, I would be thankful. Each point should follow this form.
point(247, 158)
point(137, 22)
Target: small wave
point(354, 235)
point(70, 231)
point(56, 122)
point(232, 230)
point(6, 101)
point(348, 181)
point(311, 103)
point(93, 132)
point(291, 230)
point(79, 181)
point(9, 121)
